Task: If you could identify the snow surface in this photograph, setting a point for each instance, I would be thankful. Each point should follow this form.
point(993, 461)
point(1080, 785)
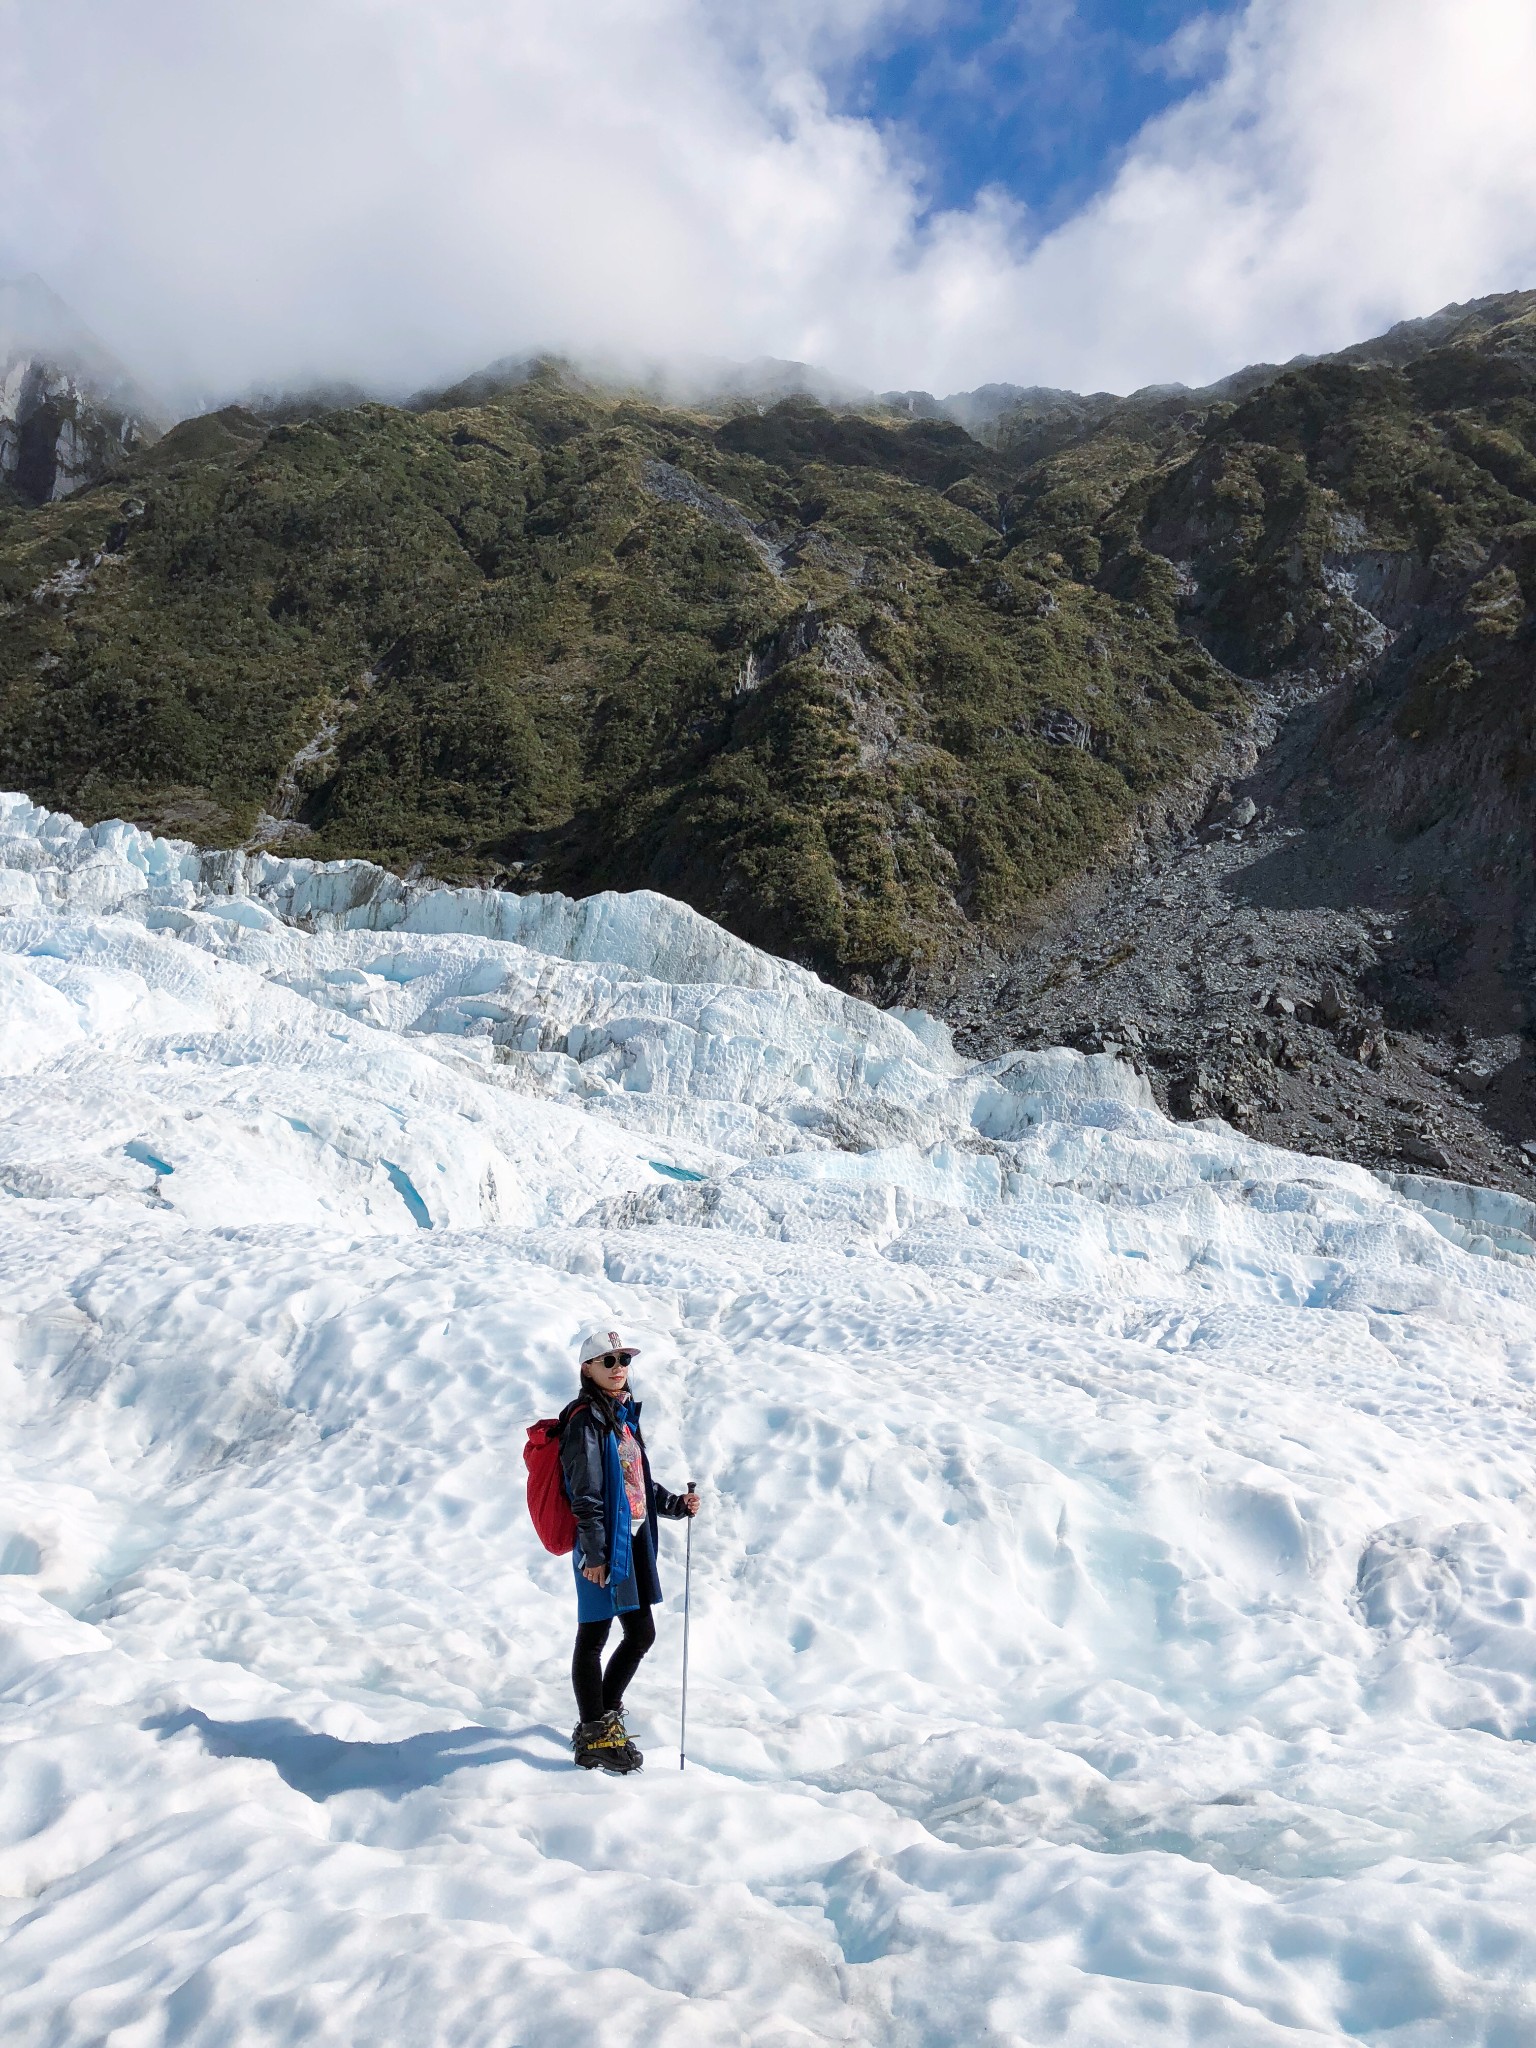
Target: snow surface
point(1113, 1602)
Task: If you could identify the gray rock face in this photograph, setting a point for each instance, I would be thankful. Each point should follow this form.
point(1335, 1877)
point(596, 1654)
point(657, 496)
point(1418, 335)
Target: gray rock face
point(68, 410)
point(1174, 959)
point(676, 487)
point(55, 436)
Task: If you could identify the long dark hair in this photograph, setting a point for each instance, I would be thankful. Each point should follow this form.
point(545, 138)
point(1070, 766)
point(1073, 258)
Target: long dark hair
point(601, 1402)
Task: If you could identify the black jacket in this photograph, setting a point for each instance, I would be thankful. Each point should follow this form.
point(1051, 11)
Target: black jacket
point(584, 1465)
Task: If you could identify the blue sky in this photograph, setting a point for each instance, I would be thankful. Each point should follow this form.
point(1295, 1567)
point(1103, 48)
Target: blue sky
point(1037, 97)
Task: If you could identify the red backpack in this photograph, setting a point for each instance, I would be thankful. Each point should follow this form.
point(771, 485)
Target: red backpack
point(548, 1502)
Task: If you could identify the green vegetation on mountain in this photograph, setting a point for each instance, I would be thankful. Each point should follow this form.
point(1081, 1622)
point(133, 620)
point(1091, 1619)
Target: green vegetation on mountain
point(780, 665)
point(858, 686)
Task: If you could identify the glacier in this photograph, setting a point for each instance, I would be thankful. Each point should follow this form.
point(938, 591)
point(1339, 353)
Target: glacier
point(1114, 1604)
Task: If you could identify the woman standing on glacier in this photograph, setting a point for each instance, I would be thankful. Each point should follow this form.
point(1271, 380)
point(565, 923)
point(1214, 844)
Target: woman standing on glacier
point(616, 1504)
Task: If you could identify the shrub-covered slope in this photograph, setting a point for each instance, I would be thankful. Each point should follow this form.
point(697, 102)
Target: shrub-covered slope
point(783, 666)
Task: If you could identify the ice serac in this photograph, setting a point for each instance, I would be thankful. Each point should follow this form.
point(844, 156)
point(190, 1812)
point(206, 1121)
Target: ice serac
point(1114, 1611)
point(638, 929)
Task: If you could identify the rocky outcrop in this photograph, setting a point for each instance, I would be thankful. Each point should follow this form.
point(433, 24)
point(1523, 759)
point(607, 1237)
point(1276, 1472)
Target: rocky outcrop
point(68, 411)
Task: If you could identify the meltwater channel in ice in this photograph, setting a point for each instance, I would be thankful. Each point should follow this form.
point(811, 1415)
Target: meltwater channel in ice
point(1113, 1605)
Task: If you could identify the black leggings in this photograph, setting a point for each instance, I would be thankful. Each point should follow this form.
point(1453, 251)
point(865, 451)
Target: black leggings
point(599, 1691)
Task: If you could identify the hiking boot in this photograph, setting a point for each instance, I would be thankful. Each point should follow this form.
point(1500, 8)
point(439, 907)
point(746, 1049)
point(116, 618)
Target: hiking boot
point(616, 1716)
point(602, 1746)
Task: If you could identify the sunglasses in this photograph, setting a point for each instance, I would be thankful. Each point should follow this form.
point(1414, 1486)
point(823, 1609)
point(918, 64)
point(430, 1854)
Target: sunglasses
point(610, 1359)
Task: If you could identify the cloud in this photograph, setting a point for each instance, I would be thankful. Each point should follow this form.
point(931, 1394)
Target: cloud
point(396, 190)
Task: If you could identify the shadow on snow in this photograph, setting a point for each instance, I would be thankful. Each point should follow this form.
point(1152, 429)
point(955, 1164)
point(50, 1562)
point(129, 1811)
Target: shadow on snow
point(320, 1766)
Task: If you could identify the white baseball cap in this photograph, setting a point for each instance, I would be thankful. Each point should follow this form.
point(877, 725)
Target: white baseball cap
point(598, 1343)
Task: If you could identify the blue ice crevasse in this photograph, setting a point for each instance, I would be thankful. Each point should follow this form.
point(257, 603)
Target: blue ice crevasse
point(137, 1149)
point(405, 1188)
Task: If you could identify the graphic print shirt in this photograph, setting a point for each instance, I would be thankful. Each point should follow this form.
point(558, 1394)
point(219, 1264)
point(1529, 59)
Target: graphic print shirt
point(634, 1474)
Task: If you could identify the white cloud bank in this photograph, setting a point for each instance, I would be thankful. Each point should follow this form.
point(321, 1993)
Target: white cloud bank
point(396, 190)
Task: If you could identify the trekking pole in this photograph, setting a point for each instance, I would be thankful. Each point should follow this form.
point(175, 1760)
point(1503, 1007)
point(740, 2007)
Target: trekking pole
point(682, 1726)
